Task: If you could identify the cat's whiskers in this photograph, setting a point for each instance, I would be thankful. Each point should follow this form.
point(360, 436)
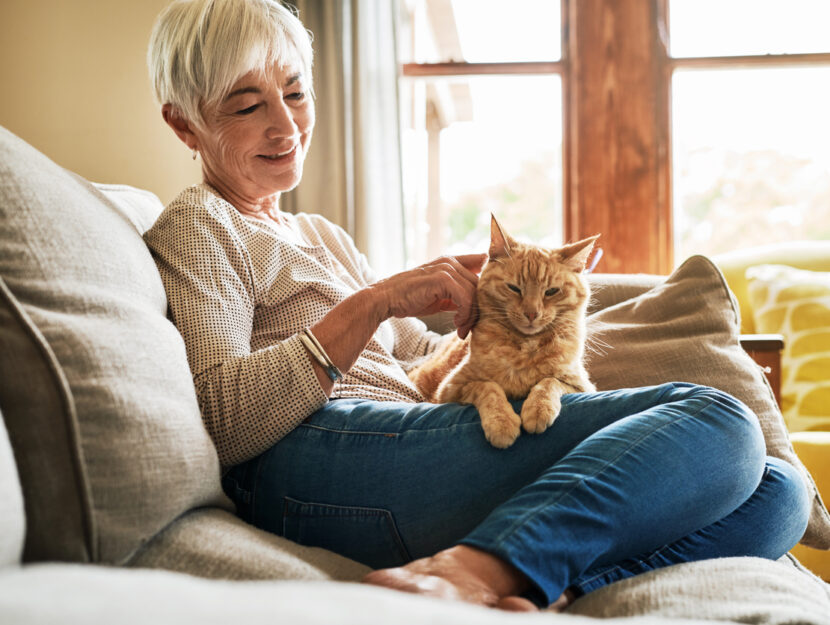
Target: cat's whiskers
point(593, 340)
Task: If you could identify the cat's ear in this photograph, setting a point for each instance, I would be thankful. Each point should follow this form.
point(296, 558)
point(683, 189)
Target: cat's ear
point(499, 241)
point(575, 255)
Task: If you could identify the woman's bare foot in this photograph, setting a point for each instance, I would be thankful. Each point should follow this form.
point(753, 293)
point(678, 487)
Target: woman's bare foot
point(461, 573)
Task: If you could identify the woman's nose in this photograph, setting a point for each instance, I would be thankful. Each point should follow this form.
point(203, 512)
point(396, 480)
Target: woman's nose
point(280, 122)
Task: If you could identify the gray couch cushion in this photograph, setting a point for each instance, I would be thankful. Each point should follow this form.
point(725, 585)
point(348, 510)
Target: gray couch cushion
point(609, 289)
point(216, 544)
point(40, 416)
point(12, 517)
point(742, 590)
point(768, 594)
point(83, 275)
point(687, 329)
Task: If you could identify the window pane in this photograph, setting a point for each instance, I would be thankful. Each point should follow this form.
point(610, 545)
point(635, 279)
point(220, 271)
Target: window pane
point(751, 158)
point(746, 27)
point(477, 145)
point(479, 31)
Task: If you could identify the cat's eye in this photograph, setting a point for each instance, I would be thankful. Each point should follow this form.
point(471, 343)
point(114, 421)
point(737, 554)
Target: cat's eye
point(514, 288)
point(552, 291)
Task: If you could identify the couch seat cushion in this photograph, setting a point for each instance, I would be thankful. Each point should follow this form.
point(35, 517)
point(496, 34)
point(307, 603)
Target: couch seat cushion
point(215, 544)
point(743, 590)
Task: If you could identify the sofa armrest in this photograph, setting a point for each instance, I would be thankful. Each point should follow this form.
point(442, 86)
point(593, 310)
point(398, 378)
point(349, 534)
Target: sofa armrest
point(765, 349)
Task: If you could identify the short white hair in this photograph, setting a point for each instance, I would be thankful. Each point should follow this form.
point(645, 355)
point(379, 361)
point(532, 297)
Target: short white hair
point(200, 48)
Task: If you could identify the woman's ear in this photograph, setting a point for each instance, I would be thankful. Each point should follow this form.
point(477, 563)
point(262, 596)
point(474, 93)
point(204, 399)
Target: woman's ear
point(183, 129)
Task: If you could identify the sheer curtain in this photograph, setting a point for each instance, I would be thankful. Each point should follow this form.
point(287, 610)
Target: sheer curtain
point(352, 173)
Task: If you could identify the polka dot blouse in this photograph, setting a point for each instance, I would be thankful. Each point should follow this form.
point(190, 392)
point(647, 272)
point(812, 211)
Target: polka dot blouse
point(240, 290)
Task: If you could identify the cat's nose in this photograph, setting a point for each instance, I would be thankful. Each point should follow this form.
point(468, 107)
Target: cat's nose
point(530, 316)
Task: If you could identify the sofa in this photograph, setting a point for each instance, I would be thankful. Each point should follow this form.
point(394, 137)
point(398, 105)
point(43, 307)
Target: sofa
point(112, 509)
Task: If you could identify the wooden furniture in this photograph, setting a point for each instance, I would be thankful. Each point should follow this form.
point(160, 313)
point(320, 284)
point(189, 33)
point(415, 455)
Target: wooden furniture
point(765, 349)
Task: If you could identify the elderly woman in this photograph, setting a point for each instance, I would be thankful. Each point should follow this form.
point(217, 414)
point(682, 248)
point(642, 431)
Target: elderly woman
point(299, 357)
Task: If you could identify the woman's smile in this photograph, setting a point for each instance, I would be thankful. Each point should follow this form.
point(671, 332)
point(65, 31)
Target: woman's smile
point(281, 156)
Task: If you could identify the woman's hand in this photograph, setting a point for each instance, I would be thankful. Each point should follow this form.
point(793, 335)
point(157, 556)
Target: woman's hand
point(447, 283)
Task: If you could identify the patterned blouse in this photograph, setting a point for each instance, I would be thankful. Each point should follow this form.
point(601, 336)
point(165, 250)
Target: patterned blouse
point(240, 289)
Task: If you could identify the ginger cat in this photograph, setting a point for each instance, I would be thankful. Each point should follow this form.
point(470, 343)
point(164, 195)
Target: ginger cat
point(529, 340)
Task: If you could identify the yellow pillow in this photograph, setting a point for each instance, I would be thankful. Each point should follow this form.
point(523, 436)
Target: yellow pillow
point(796, 303)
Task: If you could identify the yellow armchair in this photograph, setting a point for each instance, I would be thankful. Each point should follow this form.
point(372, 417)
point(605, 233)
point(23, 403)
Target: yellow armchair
point(810, 255)
point(812, 447)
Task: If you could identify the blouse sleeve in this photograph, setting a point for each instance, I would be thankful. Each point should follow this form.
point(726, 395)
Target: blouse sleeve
point(412, 338)
point(249, 400)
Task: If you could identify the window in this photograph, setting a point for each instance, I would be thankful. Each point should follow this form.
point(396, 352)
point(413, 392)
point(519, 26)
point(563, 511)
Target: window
point(750, 93)
point(669, 127)
point(481, 119)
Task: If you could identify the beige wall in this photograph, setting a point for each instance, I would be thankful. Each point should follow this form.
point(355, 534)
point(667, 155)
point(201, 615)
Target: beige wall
point(74, 84)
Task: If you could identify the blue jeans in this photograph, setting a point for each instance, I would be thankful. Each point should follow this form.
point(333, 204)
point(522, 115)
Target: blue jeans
point(623, 482)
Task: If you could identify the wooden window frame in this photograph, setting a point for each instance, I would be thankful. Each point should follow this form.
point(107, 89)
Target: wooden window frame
point(616, 87)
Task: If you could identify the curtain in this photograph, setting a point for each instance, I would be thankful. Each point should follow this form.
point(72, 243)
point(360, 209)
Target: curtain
point(352, 174)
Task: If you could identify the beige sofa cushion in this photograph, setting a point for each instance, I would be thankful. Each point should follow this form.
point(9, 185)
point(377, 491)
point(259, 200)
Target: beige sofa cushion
point(739, 590)
point(12, 516)
point(40, 416)
point(686, 329)
point(742, 590)
point(215, 544)
point(82, 274)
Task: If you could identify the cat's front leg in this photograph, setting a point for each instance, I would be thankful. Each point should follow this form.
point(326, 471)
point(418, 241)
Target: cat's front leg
point(501, 424)
point(543, 404)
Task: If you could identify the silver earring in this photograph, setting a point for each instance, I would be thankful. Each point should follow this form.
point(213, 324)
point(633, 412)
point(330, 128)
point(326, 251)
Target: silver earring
point(195, 152)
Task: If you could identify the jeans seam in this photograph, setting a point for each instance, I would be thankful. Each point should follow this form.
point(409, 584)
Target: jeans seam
point(618, 567)
point(358, 432)
point(530, 513)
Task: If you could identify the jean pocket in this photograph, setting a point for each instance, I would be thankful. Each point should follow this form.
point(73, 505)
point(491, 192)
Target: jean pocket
point(367, 535)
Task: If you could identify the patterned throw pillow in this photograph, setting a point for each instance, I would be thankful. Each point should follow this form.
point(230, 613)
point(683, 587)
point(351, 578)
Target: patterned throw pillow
point(796, 303)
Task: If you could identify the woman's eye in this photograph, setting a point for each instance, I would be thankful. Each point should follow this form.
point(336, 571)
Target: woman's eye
point(551, 291)
point(297, 96)
point(247, 111)
point(514, 288)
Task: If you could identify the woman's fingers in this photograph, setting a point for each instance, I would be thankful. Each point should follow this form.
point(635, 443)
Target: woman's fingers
point(447, 283)
point(467, 265)
point(473, 262)
point(462, 299)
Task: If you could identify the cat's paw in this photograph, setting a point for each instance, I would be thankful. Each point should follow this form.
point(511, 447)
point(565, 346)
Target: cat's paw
point(539, 412)
point(501, 428)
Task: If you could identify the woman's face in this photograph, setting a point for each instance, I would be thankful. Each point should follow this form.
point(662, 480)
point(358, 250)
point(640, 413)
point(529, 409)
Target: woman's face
point(255, 140)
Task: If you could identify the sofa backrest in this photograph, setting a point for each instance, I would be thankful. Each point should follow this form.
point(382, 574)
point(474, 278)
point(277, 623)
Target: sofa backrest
point(140, 206)
point(12, 517)
point(96, 394)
